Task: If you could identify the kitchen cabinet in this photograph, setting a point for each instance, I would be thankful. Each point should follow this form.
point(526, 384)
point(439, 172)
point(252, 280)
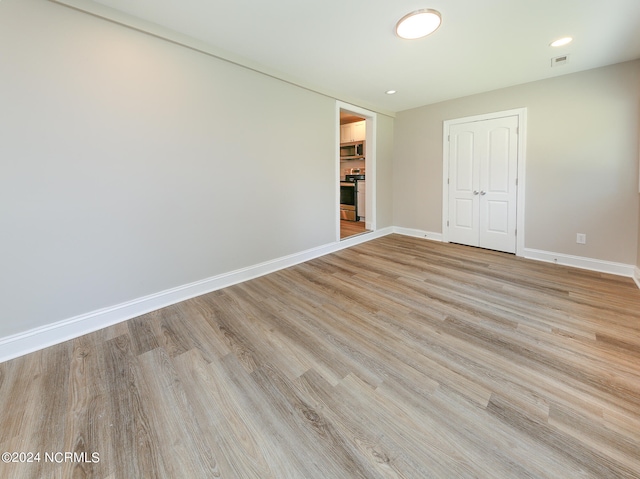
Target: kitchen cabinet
point(356, 131)
point(359, 130)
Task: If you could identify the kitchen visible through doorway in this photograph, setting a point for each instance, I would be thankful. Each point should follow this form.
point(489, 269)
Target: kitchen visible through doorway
point(353, 139)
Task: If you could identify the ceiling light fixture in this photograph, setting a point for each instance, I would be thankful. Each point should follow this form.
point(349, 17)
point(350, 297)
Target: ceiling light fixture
point(561, 42)
point(418, 24)
point(390, 92)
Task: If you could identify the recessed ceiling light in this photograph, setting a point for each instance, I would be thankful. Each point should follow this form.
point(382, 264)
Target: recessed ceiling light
point(561, 42)
point(390, 92)
point(418, 24)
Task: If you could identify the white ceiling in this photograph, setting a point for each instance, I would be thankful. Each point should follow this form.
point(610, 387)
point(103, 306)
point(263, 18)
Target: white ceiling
point(348, 48)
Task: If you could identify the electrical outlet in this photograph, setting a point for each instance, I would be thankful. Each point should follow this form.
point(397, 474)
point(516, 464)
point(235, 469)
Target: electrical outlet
point(581, 238)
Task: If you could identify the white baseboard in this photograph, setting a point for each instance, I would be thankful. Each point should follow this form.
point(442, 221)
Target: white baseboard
point(601, 266)
point(418, 233)
point(636, 276)
point(39, 338)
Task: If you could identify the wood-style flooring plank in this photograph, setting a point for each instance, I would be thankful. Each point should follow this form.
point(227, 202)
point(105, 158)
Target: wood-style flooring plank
point(86, 429)
point(136, 448)
point(170, 414)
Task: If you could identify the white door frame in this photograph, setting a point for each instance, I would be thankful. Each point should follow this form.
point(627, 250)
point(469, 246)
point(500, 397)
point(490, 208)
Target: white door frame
point(521, 113)
point(369, 164)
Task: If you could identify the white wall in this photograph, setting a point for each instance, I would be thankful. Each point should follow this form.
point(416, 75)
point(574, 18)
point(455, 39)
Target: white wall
point(131, 165)
point(582, 161)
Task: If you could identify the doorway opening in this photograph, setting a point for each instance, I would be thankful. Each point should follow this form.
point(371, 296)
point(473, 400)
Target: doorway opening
point(355, 170)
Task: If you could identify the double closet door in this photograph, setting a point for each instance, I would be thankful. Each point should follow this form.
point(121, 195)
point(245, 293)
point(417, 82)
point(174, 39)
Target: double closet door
point(483, 163)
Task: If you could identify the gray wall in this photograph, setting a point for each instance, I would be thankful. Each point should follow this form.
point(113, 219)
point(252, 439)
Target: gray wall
point(384, 171)
point(582, 161)
point(131, 165)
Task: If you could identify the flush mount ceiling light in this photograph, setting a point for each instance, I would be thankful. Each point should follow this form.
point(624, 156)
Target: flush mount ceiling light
point(561, 42)
point(390, 92)
point(418, 24)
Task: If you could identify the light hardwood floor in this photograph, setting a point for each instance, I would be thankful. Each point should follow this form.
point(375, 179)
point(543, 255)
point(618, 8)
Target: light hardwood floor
point(351, 228)
point(397, 358)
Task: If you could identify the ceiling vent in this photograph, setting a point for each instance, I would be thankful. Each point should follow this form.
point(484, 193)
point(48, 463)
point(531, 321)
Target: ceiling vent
point(558, 61)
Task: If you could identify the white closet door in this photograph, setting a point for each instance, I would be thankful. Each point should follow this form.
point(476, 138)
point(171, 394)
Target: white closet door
point(483, 160)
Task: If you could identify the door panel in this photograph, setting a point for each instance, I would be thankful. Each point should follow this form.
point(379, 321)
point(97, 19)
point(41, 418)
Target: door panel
point(497, 216)
point(465, 222)
point(498, 182)
point(464, 213)
point(463, 203)
point(465, 161)
point(483, 159)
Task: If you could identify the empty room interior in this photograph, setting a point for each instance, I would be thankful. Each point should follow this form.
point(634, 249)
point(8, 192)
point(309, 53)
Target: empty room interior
point(306, 240)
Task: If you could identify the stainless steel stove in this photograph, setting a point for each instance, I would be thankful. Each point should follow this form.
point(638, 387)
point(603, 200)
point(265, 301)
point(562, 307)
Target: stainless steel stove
point(349, 197)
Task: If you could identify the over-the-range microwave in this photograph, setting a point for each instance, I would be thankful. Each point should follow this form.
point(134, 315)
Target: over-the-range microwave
point(352, 150)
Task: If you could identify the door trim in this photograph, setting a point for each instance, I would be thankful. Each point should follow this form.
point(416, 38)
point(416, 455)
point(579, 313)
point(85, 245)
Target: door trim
point(521, 113)
point(369, 162)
